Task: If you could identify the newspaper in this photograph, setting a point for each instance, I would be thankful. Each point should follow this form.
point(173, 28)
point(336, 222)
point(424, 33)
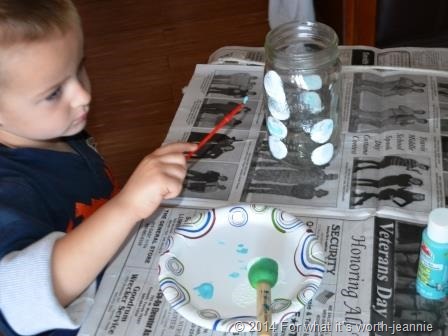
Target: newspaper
point(368, 288)
point(389, 172)
point(417, 58)
point(389, 164)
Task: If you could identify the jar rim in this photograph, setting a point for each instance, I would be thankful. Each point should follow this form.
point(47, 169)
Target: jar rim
point(303, 35)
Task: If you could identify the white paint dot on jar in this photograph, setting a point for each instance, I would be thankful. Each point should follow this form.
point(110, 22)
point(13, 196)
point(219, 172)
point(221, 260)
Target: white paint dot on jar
point(322, 154)
point(279, 110)
point(321, 131)
point(276, 127)
point(308, 82)
point(273, 86)
point(277, 147)
point(311, 101)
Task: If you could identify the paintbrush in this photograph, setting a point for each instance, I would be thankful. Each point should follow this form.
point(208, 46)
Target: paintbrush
point(229, 116)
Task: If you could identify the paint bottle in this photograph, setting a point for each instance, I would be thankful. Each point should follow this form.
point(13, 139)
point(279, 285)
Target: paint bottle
point(432, 275)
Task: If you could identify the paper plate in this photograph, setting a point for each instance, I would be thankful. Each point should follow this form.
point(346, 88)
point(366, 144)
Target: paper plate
point(203, 270)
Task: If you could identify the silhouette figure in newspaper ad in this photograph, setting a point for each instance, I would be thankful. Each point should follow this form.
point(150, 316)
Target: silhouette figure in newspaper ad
point(399, 117)
point(216, 146)
point(398, 87)
point(392, 160)
point(402, 180)
point(400, 197)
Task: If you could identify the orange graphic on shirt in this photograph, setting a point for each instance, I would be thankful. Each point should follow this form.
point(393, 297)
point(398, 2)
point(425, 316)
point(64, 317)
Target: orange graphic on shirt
point(84, 211)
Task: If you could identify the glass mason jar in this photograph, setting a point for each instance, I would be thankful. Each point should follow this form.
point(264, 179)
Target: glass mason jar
point(302, 93)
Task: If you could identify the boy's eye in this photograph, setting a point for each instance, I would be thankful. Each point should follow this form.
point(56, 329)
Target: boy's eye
point(55, 94)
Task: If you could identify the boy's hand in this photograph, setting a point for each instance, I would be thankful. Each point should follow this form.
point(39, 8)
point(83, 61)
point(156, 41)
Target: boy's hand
point(159, 176)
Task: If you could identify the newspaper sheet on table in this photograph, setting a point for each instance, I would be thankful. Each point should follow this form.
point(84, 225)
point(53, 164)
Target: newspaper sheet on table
point(368, 288)
point(419, 58)
point(391, 161)
point(369, 224)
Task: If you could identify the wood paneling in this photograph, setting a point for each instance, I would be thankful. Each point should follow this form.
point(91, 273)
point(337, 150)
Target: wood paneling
point(359, 22)
point(141, 53)
point(353, 20)
point(330, 13)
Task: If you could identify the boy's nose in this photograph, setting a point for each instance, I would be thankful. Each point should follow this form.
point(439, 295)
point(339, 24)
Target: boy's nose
point(82, 96)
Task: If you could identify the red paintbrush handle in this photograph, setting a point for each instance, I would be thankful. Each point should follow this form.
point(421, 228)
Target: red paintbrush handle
point(229, 116)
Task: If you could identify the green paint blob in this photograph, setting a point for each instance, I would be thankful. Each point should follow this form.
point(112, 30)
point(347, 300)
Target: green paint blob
point(263, 270)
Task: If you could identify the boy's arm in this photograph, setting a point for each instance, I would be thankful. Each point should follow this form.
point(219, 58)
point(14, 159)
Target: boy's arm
point(79, 256)
point(27, 298)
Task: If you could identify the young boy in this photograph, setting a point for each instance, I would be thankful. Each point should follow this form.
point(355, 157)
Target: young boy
point(54, 237)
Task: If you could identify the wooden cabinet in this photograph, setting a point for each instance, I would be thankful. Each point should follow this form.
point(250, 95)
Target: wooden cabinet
point(353, 20)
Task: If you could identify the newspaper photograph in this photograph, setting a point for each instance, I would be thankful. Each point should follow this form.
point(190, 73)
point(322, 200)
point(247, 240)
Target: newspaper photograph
point(217, 171)
point(390, 161)
point(368, 287)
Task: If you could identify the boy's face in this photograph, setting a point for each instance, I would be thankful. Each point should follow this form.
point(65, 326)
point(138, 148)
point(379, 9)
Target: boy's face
point(44, 90)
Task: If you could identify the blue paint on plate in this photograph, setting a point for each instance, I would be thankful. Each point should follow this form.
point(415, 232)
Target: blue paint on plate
point(205, 290)
point(234, 275)
point(241, 249)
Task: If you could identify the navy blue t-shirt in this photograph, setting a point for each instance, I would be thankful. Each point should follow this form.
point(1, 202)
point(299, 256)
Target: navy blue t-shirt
point(42, 191)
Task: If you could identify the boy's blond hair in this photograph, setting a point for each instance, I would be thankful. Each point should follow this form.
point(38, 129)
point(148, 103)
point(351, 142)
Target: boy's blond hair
point(32, 20)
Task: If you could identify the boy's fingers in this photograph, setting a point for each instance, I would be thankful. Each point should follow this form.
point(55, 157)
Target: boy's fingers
point(175, 170)
point(173, 190)
point(178, 147)
point(172, 158)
